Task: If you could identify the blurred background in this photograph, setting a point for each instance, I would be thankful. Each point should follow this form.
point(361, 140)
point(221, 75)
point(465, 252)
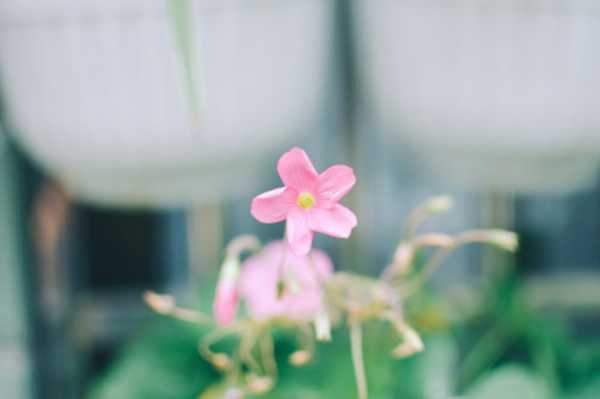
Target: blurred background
point(134, 133)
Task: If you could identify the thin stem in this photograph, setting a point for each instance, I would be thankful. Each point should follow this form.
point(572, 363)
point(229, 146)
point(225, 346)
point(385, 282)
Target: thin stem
point(182, 26)
point(436, 260)
point(268, 354)
point(427, 240)
point(247, 343)
point(191, 316)
point(430, 208)
point(434, 263)
point(357, 359)
point(306, 340)
point(415, 219)
point(242, 243)
point(166, 306)
point(212, 338)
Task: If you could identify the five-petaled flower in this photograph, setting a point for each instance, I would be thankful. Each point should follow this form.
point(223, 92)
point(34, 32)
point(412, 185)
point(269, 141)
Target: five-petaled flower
point(308, 201)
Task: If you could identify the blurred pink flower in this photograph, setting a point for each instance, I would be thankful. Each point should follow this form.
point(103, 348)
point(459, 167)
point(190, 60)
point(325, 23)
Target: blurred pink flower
point(308, 201)
point(276, 282)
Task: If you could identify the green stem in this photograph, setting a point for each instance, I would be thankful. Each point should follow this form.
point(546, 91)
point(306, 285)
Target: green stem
point(181, 12)
point(357, 359)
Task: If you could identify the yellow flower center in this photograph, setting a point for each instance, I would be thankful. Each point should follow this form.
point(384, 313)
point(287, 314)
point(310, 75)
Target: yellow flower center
point(306, 200)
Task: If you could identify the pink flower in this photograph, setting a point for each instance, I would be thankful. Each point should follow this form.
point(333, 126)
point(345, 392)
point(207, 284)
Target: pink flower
point(276, 282)
point(308, 201)
point(225, 305)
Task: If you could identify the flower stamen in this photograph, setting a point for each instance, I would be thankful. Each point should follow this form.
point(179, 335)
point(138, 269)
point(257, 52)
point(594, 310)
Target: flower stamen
point(306, 200)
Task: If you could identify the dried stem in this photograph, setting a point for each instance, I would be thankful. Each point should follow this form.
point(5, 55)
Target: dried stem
point(431, 207)
point(415, 219)
point(245, 351)
point(213, 337)
point(306, 340)
point(166, 306)
point(427, 240)
point(357, 359)
point(468, 237)
point(241, 244)
point(268, 354)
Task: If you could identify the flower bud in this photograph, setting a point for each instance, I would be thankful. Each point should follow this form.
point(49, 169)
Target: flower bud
point(439, 204)
point(225, 305)
point(504, 239)
point(221, 361)
point(234, 393)
point(412, 344)
point(162, 304)
point(300, 358)
point(259, 385)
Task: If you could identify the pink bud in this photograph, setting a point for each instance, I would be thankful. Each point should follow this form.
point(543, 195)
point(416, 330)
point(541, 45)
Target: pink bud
point(225, 306)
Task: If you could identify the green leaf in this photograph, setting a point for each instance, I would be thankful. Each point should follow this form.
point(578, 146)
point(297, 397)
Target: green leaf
point(590, 391)
point(163, 363)
point(438, 365)
point(509, 382)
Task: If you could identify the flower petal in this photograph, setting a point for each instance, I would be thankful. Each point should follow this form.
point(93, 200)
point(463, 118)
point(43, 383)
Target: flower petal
point(298, 234)
point(338, 221)
point(296, 170)
point(259, 277)
point(272, 206)
point(335, 182)
point(261, 274)
point(321, 263)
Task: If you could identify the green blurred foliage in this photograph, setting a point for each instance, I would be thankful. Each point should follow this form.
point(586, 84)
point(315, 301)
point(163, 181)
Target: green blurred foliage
point(508, 331)
point(164, 363)
point(507, 349)
point(510, 382)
